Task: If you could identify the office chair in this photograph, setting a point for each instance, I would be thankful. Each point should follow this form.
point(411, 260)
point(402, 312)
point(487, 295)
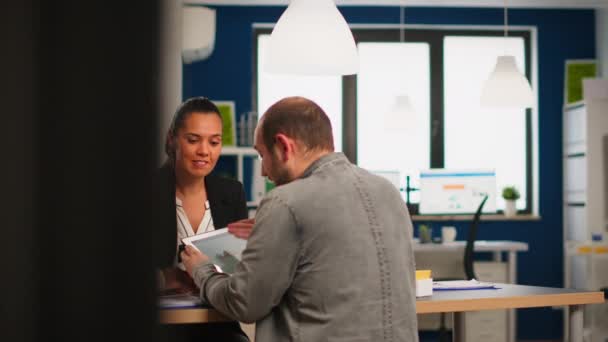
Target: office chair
point(467, 261)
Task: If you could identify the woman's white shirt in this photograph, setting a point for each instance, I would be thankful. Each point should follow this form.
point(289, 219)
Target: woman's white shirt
point(184, 229)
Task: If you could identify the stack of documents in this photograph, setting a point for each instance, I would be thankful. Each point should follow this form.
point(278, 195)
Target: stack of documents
point(462, 285)
point(179, 301)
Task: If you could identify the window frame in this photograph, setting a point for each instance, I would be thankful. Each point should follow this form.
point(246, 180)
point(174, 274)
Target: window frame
point(434, 36)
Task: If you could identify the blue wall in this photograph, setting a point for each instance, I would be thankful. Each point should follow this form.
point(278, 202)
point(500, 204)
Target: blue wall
point(562, 34)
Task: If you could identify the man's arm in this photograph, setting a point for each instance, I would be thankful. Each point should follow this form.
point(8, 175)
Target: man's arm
point(265, 272)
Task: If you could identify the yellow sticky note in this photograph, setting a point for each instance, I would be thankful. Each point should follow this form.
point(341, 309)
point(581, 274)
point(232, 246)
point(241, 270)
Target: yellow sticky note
point(601, 250)
point(584, 249)
point(423, 274)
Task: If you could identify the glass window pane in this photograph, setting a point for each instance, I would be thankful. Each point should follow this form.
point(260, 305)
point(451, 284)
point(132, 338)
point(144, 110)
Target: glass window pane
point(477, 137)
point(388, 139)
point(326, 91)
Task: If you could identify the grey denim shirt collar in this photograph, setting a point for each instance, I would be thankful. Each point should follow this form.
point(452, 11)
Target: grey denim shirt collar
point(330, 158)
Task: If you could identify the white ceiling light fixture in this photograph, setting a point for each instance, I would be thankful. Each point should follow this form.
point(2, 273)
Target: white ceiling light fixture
point(312, 38)
point(402, 116)
point(507, 87)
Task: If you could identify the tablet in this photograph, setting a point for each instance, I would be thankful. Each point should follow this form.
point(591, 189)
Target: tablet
point(223, 248)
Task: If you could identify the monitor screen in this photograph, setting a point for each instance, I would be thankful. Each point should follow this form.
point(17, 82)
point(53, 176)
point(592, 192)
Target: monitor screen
point(445, 191)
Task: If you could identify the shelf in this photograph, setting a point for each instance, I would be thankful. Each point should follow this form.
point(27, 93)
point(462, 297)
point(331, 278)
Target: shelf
point(239, 151)
point(574, 105)
point(585, 128)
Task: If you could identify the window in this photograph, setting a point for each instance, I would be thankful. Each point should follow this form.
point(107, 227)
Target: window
point(386, 136)
point(326, 91)
point(498, 138)
point(441, 71)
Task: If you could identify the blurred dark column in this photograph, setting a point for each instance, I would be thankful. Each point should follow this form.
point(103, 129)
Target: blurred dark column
point(18, 257)
point(79, 144)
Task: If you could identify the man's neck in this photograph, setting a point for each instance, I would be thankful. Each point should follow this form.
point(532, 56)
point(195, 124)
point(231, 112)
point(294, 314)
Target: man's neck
point(307, 159)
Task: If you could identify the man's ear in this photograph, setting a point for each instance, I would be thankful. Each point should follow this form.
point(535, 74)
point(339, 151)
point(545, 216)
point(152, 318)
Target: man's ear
point(284, 145)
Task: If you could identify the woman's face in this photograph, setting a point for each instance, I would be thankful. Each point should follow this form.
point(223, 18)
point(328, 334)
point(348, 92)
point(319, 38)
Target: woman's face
point(198, 144)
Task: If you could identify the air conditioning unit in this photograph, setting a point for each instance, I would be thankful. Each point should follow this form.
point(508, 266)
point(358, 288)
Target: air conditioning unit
point(198, 37)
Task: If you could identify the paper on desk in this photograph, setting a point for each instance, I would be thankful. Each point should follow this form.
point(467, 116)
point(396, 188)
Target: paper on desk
point(462, 285)
point(179, 301)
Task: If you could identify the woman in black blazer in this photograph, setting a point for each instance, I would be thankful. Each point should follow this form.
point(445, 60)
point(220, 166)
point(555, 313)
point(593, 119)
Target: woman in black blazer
point(191, 201)
point(226, 198)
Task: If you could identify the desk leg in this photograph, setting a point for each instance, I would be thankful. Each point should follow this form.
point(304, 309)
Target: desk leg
point(576, 323)
point(512, 274)
point(458, 327)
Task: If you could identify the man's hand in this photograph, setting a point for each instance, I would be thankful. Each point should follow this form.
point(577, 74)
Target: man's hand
point(242, 228)
point(192, 257)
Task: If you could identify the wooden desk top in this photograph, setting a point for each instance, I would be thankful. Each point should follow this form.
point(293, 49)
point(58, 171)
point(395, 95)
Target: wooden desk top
point(194, 315)
point(507, 297)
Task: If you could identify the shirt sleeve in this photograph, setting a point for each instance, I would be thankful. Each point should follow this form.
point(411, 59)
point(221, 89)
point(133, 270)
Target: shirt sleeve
point(266, 269)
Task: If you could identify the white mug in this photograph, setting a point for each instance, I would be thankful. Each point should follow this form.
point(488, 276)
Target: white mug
point(448, 234)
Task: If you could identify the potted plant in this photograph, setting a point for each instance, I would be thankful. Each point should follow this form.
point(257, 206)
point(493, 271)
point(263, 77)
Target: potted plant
point(425, 233)
point(510, 195)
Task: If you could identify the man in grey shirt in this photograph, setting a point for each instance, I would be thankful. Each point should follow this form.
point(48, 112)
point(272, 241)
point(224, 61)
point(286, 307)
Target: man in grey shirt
point(330, 255)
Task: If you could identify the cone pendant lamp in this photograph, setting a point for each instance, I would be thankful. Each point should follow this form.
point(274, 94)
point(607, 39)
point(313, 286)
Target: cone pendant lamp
point(507, 87)
point(312, 38)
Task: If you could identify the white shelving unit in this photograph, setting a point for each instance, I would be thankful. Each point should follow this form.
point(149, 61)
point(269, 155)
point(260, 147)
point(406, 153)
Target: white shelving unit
point(241, 153)
point(585, 193)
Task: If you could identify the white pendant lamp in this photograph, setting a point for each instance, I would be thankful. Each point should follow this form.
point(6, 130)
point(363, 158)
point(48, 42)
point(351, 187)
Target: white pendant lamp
point(403, 105)
point(507, 87)
point(312, 38)
point(402, 116)
point(402, 112)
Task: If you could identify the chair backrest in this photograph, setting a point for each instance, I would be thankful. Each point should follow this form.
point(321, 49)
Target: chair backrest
point(470, 246)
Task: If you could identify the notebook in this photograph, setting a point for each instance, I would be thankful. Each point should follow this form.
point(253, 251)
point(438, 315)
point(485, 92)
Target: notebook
point(462, 285)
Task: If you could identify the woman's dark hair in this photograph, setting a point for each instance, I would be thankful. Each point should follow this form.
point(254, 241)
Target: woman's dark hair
point(192, 105)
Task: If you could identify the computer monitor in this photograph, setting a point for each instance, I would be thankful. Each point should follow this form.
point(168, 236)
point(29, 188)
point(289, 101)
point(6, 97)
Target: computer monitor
point(445, 191)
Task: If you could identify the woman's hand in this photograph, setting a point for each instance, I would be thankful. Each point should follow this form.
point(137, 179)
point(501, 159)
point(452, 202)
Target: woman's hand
point(242, 228)
point(192, 257)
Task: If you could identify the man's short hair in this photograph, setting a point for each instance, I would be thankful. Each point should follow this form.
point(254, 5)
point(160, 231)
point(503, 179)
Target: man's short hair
point(300, 119)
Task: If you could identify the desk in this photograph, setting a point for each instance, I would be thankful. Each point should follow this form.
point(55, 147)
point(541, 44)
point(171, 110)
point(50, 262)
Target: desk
point(494, 247)
point(193, 315)
point(509, 296)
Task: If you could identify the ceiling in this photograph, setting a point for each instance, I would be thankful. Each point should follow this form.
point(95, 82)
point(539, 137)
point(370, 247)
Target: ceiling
point(426, 3)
